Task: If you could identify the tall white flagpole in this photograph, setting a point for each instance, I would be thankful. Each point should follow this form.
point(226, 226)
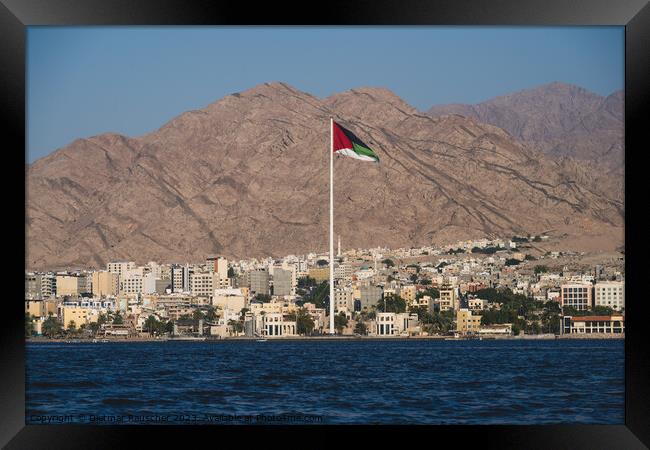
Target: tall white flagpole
point(331, 225)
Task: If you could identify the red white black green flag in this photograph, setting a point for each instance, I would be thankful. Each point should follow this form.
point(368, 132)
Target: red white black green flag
point(346, 143)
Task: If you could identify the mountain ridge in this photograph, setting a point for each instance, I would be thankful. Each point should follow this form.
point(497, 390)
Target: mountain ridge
point(246, 176)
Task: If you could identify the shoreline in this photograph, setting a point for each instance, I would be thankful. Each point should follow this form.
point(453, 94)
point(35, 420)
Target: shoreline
point(533, 337)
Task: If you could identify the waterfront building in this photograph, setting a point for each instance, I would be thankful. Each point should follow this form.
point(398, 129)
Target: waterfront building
point(610, 294)
point(614, 324)
point(275, 325)
point(466, 322)
point(576, 295)
point(74, 314)
point(385, 323)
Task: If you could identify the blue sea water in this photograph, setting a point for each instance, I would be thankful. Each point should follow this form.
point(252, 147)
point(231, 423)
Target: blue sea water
point(326, 381)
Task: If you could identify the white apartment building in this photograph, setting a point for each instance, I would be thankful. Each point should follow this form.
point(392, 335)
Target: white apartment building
point(202, 284)
point(133, 283)
point(611, 294)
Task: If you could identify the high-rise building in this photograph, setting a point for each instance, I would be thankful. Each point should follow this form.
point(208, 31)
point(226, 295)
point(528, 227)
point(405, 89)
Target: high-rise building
point(121, 267)
point(180, 276)
point(33, 286)
point(577, 295)
point(369, 296)
point(131, 283)
point(259, 280)
point(610, 294)
point(281, 282)
point(202, 284)
point(105, 284)
point(448, 299)
point(48, 285)
point(69, 285)
point(343, 299)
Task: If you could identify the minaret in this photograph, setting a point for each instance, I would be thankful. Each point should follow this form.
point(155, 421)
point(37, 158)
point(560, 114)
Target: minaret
point(339, 252)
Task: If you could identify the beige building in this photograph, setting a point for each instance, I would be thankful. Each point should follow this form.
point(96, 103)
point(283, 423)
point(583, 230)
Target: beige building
point(577, 295)
point(74, 314)
point(121, 268)
point(343, 300)
point(105, 284)
point(408, 293)
point(610, 294)
point(202, 284)
point(593, 324)
point(35, 308)
point(320, 274)
point(466, 322)
point(275, 325)
point(69, 285)
point(448, 299)
point(231, 299)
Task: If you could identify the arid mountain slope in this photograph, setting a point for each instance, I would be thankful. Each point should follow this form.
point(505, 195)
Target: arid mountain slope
point(558, 119)
point(248, 176)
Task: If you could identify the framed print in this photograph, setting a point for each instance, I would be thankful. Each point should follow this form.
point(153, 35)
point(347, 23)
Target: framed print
point(374, 218)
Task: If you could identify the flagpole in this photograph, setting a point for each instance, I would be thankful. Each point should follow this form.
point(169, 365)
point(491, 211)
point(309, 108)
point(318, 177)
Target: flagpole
point(331, 225)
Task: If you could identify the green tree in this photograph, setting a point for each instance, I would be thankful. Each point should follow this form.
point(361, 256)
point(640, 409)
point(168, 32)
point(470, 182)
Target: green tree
point(94, 328)
point(512, 262)
point(151, 325)
point(72, 326)
point(391, 303)
point(261, 298)
point(340, 322)
point(304, 322)
point(51, 327)
point(361, 328)
point(541, 269)
point(198, 314)
point(322, 262)
point(117, 319)
point(211, 315)
point(231, 272)
point(305, 282)
point(236, 326)
point(388, 263)
point(29, 325)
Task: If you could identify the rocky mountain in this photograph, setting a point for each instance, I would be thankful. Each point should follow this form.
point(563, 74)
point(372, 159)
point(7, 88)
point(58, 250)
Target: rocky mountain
point(247, 176)
point(557, 118)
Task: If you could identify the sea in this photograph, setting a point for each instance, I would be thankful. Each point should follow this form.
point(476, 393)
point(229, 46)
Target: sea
point(310, 382)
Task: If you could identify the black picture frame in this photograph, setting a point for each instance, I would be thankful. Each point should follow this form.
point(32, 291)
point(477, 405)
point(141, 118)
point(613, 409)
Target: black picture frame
point(16, 15)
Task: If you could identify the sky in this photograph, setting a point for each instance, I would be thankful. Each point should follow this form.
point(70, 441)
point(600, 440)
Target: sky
point(84, 81)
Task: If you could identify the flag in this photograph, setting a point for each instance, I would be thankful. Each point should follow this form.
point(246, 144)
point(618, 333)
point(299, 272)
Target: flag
point(346, 143)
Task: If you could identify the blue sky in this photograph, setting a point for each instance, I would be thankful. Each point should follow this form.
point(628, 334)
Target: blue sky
point(83, 81)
